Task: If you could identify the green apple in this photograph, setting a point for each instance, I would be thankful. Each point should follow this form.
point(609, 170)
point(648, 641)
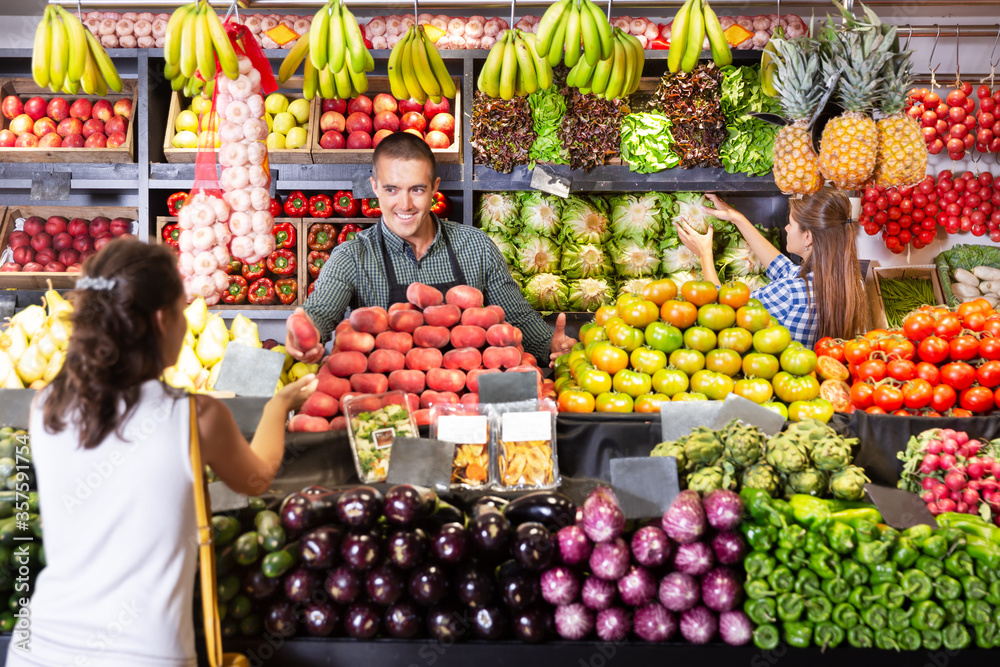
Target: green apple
point(296, 138)
point(299, 109)
point(275, 103)
point(275, 141)
point(200, 105)
point(186, 121)
point(283, 122)
point(185, 139)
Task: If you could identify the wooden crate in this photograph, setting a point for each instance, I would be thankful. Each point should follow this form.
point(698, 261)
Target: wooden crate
point(26, 88)
point(40, 280)
point(292, 89)
point(302, 274)
point(376, 85)
point(923, 271)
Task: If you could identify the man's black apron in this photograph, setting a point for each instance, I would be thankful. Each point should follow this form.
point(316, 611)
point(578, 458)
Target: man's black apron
point(397, 292)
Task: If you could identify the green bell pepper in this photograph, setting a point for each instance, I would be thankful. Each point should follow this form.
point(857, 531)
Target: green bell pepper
point(899, 618)
point(931, 639)
point(792, 537)
point(759, 564)
point(916, 585)
point(760, 537)
point(818, 609)
point(932, 567)
point(757, 589)
point(977, 612)
point(993, 594)
point(766, 637)
point(883, 573)
point(791, 606)
point(935, 546)
point(947, 588)
point(762, 611)
point(955, 538)
point(891, 595)
point(815, 542)
point(845, 616)
point(807, 583)
point(836, 589)
point(809, 509)
point(865, 530)
point(855, 574)
point(875, 617)
point(871, 553)
point(959, 564)
point(908, 639)
point(928, 615)
point(985, 572)
point(954, 611)
point(758, 504)
point(955, 637)
point(905, 553)
point(783, 513)
point(974, 587)
point(853, 517)
point(797, 559)
point(986, 635)
point(858, 597)
point(918, 532)
point(840, 537)
point(860, 637)
point(971, 524)
point(782, 580)
point(885, 640)
point(827, 635)
point(888, 534)
point(798, 635)
point(783, 556)
point(825, 563)
point(982, 551)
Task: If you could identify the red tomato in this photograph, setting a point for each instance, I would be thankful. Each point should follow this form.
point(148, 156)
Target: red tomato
point(919, 325)
point(861, 395)
point(992, 326)
point(901, 369)
point(933, 349)
point(958, 375)
point(929, 372)
point(961, 412)
point(949, 326)
point(968, 307)
point(917, 393)
point(876, 334)
point(897, 347)
point(963, 348)
point(976, 399)
point(888, 397)
point(989, 348)
point(902, 413)
point(943, 398)
point(988, 374)
point(857, 350)
point(974, 321)
point(873, 369)
point(875, 410)
point(830, 347)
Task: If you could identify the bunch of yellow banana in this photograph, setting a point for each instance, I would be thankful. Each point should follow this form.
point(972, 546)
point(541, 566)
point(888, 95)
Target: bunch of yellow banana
point(615, 77)
point(514, 67)
point(417, 71)
point(571, 29)
point(67, 58)
point(693, 21)
point(195, 38)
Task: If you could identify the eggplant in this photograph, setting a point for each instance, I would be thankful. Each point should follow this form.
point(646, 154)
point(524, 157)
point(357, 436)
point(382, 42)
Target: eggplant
point(316, 490)
point(490, 531)
point(362, 620)
point(300, 583)
point(532, 625)
point(428, 584)
point(404, 620)
point(343, 585)
point(444, 513)
point(519, 587)
point(294, 513)
point(552, 510)
point(474, 585)
point(280, 619)
point(446, 624)
point(490, 622)
point(361, 549)
point(258, 586)
point(360, 507)
point(407, 548)
point(487, 503)
point(319, 548)
point(533, 547)
point(320, 619)
point(385, 585)
point(406, 504)
point(450, 544)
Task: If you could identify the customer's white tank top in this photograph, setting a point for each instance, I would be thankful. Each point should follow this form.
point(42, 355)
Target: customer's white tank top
point(120, 541)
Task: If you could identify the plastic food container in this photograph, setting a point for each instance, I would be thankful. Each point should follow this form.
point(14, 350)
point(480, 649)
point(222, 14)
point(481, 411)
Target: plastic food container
point(470, 428)
point(525, 452)
point(374, 421)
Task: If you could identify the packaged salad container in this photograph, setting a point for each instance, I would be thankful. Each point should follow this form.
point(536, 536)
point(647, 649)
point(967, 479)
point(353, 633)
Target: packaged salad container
point(525, 452)
point(373, 423)
point(469, 427)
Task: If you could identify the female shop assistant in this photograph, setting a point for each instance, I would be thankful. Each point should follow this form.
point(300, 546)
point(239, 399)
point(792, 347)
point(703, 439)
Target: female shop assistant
point(822, 297)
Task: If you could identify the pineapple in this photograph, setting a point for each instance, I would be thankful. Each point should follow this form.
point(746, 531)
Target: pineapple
point(849, 144)
point(796, 167)
point(902, 151)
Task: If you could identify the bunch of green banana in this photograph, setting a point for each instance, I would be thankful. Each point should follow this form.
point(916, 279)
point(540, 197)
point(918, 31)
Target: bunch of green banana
point(336, 39)
point(571, 29)
point(615, 77)
point(416, 70)
point(514, 67)
point(694, 20)
point(67, 58)
point(342, 84)
point(195, 38)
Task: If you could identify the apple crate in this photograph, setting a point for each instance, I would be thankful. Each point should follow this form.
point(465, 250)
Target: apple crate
point(26, 89)
point(41, 279)
point(376, 85)
point(292, 89)
point(301, 274)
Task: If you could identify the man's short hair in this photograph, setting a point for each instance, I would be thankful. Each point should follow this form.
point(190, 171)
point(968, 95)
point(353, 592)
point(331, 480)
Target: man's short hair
point(405, 146)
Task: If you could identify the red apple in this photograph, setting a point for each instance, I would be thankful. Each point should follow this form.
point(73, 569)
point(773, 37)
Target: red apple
point(51, 140)
point(78, 227)
point(62, 241)
point(56, 224)
point(120, 227)
point(83, 243)
point(443, 122)
point(358, 122)
point(69, 256)
point(22, 124)
point(7, 138)
point(33, 267)
point(386, 120)
point(102, 240)
point(100, 225)
point(12, 107)
point(33, 225)
point(379, 136)
point(41, 240)
point(55, 267)
point(26, 140)
point(18, 239)
point(73, 141)
point(340, 106)
point(117, 139)
point(359, 140)
point(431, 109)
point(406, 106)
point(332, 121)
point(10, 267)
point(413, 120)
point(437, 139)
point(35, 107)
point(415, 132)
point(57, 109)
point(92, 126)
point(123, 108)
point(360, 104)
point(384, 102)
point(44, 126)
point(81, 109)
point(115, 124)
point(332, 139)
point(45, 255)
point(68, 126)
point(96, 140)
point(103, 110)
point(24, 254)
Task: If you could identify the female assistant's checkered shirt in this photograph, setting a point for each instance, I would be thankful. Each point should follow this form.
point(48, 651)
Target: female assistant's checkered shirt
point(788, 297)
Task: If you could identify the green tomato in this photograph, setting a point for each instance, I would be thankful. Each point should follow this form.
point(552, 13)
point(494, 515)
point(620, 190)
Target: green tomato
point(789, 388)
point(714, 385)
point(647, 360)
point(776, 407)
point(592, 333)
point(670, 381)
point(752, 317)
point(772, 340)
point(626, 337)
point(702, 339)
point(757, 390)
point(594, 381)
point(614, 402)
point(632, 383)
point(716, 316)
point(689, 361)
point(760, 365)
point(664, 337)
point(818, 408)
point(650, 402)
point(727, 362)
point(690, 396)
point(798, 360)
point(735, 338)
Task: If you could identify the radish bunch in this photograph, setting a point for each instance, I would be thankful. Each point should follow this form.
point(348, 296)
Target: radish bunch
point(906, 215)
point(952, 473)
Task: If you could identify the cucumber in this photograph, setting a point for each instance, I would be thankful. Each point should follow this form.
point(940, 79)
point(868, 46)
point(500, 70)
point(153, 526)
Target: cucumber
point(256, 504)
point(224, 530)
point(6, 509)
point(249, 513)
point(230, 628)
point(250, 626)
point(246, 550)
point(33, 502)
point(7, 622)
point(36, 526)
point(270, 534)
point(5, 556)
point(6, 579)
point(225, 561)
point(8, 530)
point(278, 563)
point(240, 607)
point(229, 586)
point(223, 610)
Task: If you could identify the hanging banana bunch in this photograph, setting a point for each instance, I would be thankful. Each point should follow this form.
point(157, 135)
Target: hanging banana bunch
point(694, 20)
point(416, 70)
point(67, 58)
point(614, 77)
point(574, 29)
point(514, 67)
point(195, 38)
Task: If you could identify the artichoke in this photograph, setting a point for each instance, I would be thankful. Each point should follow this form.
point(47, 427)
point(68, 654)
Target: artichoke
point(744, 445)
point(710, 478)
point(831, 453)
point(786, 454)
point(761, 476)
point(810, 481)
point(809, 432)
point(702, 447)
point(675, 449)
point(849, 483)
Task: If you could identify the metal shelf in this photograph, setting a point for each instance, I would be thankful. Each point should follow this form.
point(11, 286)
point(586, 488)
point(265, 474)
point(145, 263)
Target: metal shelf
point(254, 5)
point(610, 178)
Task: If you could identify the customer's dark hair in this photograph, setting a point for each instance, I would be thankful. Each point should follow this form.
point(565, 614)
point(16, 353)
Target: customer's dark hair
point(404, 146)
point(114, 346)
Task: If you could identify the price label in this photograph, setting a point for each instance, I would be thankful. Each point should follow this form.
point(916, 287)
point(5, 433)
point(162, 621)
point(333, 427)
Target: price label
point(526, 426)
point(546, 180)
point(50, 186)
point(463, 429)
